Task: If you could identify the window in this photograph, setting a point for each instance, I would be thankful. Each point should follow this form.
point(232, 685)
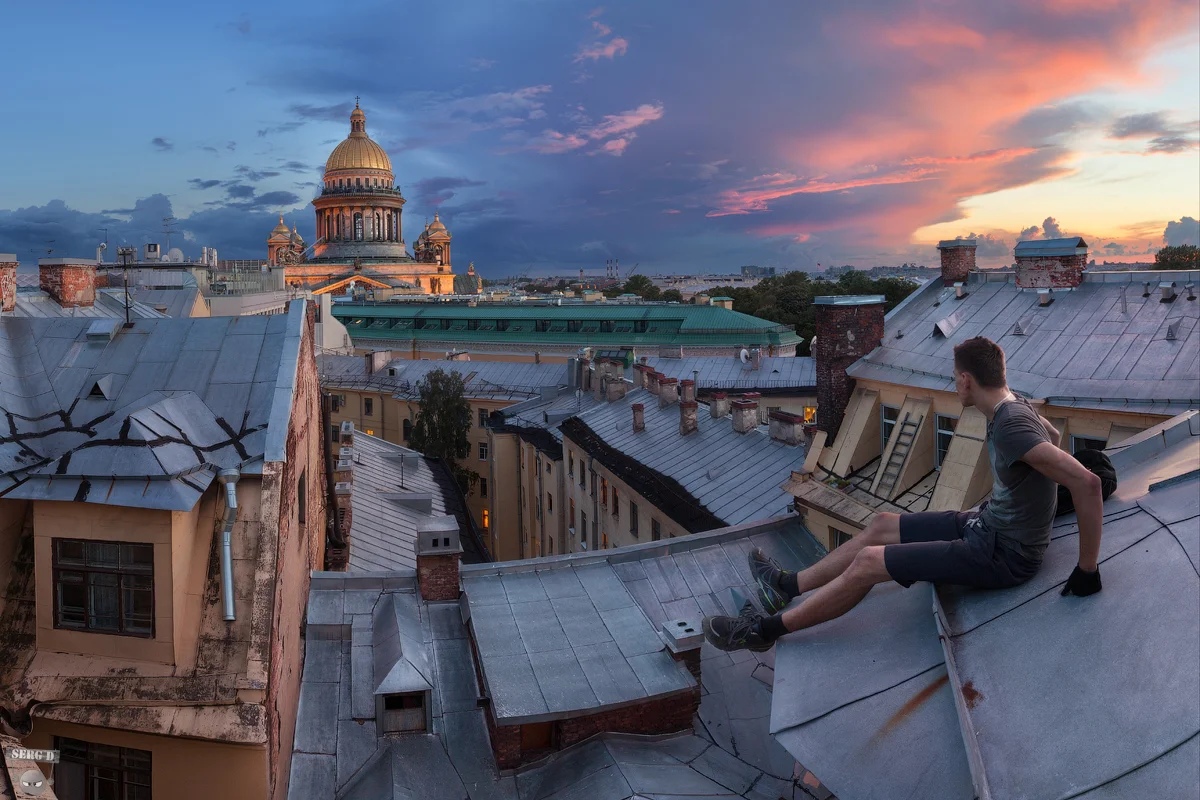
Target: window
point(583, 526)
point(571, 508)
point(487, 519)
point(483, 487)
point(887, 420)
point(369, 431)
point(655, 530)
point(574, 326)
point(764, 413)
point(945, 433)
point(483, 451)
point(335, 432)
point(549, 503)
point(593, 492)
point(839, 537)
point(633, 519)
point(1084, 443)
point(483, 417)
point(302, 496)
point(404, 713)
point(570, 465)
point(604, 492)
point(616, 505)
point(406, 429)
point(810, 413)
point(368, 407)
point(639, 326)
point(547, 466)
point(97, 771)
point(582, 477)
point(106, 587)
point(604, 540)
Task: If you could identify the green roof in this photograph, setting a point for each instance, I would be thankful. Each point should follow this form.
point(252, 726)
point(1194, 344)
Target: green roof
point(605, 323)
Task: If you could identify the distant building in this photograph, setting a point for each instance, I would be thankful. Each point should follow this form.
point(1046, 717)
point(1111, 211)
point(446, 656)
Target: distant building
point(162, 505)
point(758, 272)
point(360, 236)
point(555, 331)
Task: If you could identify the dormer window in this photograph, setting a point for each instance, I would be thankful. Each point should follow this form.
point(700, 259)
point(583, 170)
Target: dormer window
point(403, 713)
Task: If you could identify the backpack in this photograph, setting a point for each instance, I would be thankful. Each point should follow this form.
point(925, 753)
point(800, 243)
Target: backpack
point(1100, 465)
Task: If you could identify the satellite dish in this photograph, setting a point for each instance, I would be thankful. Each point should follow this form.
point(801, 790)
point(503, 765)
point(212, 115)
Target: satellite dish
point(745, 355)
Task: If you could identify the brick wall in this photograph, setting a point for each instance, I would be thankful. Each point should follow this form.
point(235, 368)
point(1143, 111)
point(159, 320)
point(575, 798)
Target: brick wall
point(844, 334)
point(71, 285)
point(956, 263)
point(665, 715)
point(438, 576)
point(8, 285)
point(1058, 272)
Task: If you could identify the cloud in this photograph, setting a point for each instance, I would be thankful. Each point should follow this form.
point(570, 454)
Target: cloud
point(231, 146)
point(480, 64)
point(1185, 230)
point(210, 149)
point(199, 183)
point(1115, 249)
point(161, 144)
point(1164, 136)
point(671, 211)
point(337, 112)
point(618, 129)
point(1032, 232)
point(437, 191)
point(296, 166)
point(990, 246)
point(617, 46)
point(283, 127)
point(1051, 229)
point(239, 191)
point(255, 175)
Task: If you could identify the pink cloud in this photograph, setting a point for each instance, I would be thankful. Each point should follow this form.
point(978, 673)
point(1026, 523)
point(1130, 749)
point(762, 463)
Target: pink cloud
point(601, 29)
point(616, 131)
point(759, 192)
point(614, 147)
point(616, 46)
point(671, 211)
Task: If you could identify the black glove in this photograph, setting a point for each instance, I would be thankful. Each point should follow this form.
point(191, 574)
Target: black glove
point(1082, 583)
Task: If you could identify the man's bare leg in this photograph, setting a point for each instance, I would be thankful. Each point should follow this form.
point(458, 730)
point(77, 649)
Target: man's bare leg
point(883, 529)
point(842, 593)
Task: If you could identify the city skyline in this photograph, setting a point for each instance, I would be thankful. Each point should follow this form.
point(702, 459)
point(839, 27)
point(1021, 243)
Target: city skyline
point(557, 136)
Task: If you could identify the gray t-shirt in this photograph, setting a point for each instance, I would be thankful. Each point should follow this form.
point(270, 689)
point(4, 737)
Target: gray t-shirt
point(1021, 509)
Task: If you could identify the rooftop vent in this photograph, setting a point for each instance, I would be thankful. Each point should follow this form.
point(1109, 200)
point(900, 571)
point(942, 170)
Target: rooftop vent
point(1145, 288)
point(960, 291)
point(102, 330)
point(1019, 329)
point(1167, 288)
point(1190, 288)
point(947, 326)
point(1124, 303)
point(1044, 298)
point(102, 388)
point(1173, 330)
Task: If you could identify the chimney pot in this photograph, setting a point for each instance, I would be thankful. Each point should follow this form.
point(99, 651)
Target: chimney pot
point(688, 423)
point(719, 405)
point(616, 388)
point(652, 379)
point(70, 281)
point(439, 551)
point(745, 415)
point(687, 389)
point(668, 391)
point(787, 427)
point(639, 417)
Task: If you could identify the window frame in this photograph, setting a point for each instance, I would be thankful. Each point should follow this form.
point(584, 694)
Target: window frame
point(1077, 440)
point(655, 530)
point(483, 417)
point(483, 487)
point(405, 701)
point(368, 406)
point(886, 426)
point(484, 451)
point(58, 568)
point(90, 763)
point(939, 454)
point(633, 520)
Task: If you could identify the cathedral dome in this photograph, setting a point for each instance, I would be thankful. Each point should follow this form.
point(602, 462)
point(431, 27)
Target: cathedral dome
point(358, 151)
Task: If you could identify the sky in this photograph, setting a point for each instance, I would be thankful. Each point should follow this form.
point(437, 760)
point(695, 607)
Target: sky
point(681, 137)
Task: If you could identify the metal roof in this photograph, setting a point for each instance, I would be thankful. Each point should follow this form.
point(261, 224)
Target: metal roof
point(482, 379)
point(1098, 344)
point(728, 372)
point(141, 416)
point(849, 300)
point(735, 476)
point(110, 303)
point(728, 754)
point(947, 704)
point(1033, 248)
point(946, 244)
point(389, 481)
point(176, 303)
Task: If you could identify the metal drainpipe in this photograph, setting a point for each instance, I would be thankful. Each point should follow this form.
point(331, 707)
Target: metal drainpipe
point(228, 478)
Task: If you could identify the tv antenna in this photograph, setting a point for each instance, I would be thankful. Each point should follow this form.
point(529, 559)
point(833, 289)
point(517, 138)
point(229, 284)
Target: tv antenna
point(168, 222)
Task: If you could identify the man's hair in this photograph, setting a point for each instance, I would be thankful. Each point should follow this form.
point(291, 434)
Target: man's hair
point(983, 360)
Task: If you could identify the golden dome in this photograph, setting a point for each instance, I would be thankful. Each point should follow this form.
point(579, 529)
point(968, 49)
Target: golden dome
point(281, 229)
point(437, 227)
point(358, 151)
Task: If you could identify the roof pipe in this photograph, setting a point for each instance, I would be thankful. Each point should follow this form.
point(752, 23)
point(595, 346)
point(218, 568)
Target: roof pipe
point(228, 479)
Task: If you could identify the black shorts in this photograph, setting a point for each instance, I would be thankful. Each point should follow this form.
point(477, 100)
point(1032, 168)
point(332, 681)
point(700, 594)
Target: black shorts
point(944, 547)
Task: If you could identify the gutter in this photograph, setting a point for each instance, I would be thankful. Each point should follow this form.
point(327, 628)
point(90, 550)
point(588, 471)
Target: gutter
point(228, 479)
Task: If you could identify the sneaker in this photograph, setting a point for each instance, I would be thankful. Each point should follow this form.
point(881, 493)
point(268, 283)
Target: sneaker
point(767, 575)
point(737, 633)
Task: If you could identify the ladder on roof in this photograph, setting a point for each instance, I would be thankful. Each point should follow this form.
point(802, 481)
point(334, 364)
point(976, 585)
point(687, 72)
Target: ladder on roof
point(895, 462)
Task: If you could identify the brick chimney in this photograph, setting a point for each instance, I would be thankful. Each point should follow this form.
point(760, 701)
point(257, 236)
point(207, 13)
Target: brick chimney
point(684, 637)
point(1051, 263)
point(8, 281)
point(847, 329)
point(439, 551)
point(641, 375)
point(687, 390)
point(958, 259)
point(687, 417)
point(745, 415)
point(70, 281)
point(617, 386)
point(639, 417)
point(718, 406)
point(668, 391)
point(652, 379)
point(787, 428)
point(377, 360)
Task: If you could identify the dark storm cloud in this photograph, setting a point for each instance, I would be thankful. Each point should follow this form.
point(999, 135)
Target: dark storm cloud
point(296, 166)
point(1163, 135)
point(161, 144)
point(256, 175)
point(239, 191)
point(199, 183)
point(433, 192)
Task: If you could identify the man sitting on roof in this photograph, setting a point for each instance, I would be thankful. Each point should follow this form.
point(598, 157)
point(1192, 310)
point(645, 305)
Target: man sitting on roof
point(997, 547)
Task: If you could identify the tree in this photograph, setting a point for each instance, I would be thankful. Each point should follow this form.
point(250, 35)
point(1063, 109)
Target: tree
point(643, 287)
point(671, 296)
point(1183, 256)
point(443, 420)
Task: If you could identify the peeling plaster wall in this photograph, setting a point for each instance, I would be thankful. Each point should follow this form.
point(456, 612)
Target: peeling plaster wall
point(300, 550)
